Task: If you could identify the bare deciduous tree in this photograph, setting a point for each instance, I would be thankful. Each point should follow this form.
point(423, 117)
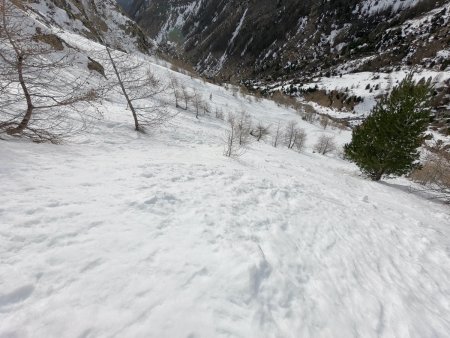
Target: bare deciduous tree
point(325, 144)
point(135, 81)
point(289, 134)
point(140, 87)
point(244, 128)
point(299, 139)
point(144, 90)
point(294, 137)
point(40, 98)
point(260, 132)
point(233, 147)
point(219, 114)
point(324, 122)
point(197, 102)
point(185, 96)
point(175, 87)
point(277, 135)
point(206, 108)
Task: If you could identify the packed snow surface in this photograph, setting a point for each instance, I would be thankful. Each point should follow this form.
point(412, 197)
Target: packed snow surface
point(118, 234)
point(162, 236)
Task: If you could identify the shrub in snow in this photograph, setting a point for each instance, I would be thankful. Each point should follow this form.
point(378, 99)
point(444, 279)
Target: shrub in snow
point(219, 114)
point(300, 139)
point(309, 116)
point(325, 145)
point(260, 132)
point(387, 142)
point(434, 173)
point(233, 146)
point(244, 128)
point(324, 122)
point(294, 137)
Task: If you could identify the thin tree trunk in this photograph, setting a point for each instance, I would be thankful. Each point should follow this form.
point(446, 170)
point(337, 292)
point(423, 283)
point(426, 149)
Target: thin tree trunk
point(116, 71)
point(176, 97)
point(124, 91)
point(378, 175)
point(277, 135)
point(19, 67)
point(26, 119)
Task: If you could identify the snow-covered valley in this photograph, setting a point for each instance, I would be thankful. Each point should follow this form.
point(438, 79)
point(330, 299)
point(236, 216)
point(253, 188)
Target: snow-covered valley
point(121, 234)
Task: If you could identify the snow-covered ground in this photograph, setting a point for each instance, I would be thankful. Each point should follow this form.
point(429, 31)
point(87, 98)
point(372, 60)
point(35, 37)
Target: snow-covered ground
point(373, 7)
point(118, 234)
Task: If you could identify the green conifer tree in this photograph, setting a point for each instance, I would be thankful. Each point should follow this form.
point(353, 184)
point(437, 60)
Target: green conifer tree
point(387, 142)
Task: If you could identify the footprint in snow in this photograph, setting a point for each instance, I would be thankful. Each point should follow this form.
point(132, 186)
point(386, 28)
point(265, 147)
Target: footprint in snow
point(16, 296)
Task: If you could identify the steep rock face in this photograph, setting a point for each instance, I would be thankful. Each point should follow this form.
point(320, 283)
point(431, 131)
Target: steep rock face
point(285, 39)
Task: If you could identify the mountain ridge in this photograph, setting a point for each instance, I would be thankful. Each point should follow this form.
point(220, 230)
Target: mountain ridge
point(286, 40)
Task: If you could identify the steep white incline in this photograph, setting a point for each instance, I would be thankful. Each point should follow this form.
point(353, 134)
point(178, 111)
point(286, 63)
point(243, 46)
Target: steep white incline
point(116, 234)
point(372, 7)
point(177, 18)
point(223, 58)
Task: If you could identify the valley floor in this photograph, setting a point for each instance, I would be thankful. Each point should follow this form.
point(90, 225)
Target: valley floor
point(129, 235)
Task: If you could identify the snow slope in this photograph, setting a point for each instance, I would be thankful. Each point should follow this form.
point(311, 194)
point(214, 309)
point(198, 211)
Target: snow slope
point(116, 234)
point(373, 7)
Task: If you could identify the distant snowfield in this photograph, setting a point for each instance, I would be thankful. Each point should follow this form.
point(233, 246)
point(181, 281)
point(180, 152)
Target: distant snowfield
point(116, 234)
point(372, 7)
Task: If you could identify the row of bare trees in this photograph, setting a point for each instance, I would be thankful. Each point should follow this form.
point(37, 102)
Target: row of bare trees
point(183, 97)
point(241, 132)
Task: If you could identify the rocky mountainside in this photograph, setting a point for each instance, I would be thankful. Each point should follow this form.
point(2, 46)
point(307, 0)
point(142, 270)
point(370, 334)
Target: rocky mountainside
point(287, 39)
point(81, 16)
